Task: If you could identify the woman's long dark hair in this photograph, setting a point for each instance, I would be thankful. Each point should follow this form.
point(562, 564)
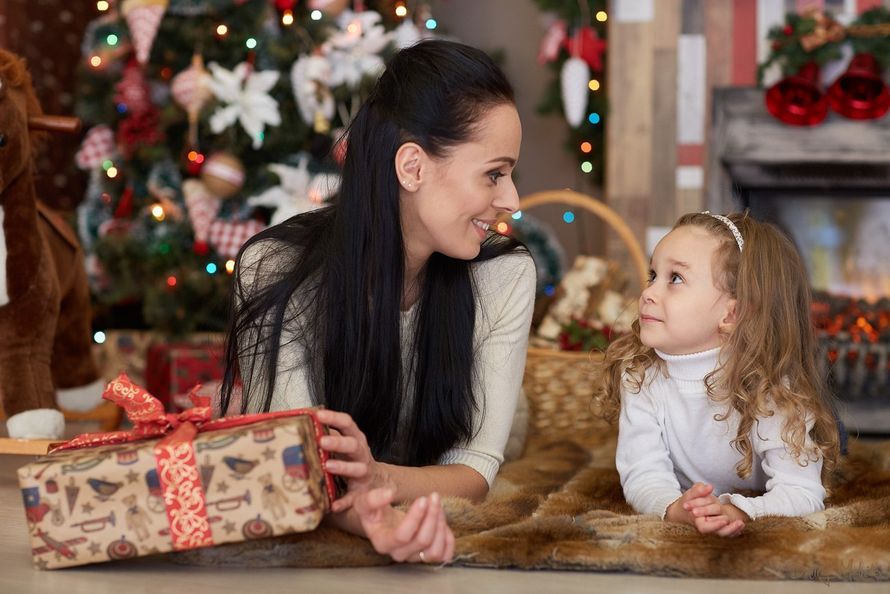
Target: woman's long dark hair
point(333, 279)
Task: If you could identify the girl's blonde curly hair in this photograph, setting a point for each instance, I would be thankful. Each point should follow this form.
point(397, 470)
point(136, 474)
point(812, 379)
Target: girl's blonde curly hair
point(770, 356)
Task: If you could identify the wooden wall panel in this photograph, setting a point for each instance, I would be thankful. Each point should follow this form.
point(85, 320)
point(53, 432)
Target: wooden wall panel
point(664, 134)
point(718, 17)
point(629, 128)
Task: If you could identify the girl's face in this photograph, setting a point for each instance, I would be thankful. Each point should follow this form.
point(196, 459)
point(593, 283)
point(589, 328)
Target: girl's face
point(681, 310)
point(460, 195)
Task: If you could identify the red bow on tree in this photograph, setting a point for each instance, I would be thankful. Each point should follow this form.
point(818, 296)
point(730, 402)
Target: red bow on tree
point(587, 45)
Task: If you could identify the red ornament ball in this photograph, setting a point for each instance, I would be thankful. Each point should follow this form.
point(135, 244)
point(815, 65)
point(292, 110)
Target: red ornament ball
point(788, 30)
point(201, 248)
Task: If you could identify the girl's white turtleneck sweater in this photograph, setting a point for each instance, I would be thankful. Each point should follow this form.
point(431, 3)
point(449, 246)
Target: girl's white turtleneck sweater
point(668, 440)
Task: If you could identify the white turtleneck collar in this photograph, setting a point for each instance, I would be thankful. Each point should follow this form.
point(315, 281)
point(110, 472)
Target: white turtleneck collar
point(693, 367)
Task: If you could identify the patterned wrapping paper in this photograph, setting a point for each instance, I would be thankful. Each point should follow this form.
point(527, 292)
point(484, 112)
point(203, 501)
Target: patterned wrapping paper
point(203, 483)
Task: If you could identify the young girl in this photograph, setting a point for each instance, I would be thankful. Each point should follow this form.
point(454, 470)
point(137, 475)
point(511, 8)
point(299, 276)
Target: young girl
point(717, 388)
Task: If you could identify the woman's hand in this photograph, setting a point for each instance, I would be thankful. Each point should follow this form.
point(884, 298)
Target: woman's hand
point(419, 535)
point(351, 458)
point(698, 506)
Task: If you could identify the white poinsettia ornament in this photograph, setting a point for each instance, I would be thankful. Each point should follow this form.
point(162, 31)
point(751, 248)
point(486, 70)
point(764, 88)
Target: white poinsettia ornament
point(310, 77)
point(300, 191)
point(354, 50)
point(245, 95)
point(407, 34)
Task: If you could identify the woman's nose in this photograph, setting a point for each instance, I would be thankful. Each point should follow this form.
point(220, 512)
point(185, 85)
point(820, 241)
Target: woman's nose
point(508, 200)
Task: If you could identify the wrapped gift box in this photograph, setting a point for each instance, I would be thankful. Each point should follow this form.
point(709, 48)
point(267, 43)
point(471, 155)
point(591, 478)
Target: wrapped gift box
point(173, 368)
point(175, 482)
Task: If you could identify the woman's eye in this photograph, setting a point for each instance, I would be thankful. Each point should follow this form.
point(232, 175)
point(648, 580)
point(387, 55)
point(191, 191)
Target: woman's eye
point(494, 176)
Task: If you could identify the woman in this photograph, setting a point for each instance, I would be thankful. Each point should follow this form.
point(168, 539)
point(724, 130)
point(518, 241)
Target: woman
point(396, 308)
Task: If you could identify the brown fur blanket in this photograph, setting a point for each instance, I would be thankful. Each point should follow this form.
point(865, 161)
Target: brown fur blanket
point(560, 506)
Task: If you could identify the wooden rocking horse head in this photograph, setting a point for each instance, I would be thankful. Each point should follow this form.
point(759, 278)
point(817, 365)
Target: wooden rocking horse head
point(44, 345)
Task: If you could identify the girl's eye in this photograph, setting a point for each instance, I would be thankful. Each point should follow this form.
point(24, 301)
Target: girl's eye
point(676, 278)
point(494, 176)
point(651, 276)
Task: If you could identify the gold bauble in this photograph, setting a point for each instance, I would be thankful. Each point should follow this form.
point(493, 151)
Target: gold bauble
point(223, 174)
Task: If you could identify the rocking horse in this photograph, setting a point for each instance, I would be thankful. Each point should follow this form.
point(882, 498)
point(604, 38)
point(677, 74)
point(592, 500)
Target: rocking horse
point(45, 351)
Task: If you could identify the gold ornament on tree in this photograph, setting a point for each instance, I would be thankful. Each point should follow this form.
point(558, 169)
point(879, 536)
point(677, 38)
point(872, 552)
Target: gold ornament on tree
point(223, 174)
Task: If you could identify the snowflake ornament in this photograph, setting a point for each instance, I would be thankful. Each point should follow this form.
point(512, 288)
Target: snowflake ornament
point(354, 50)
point(245, 93)
point(407, 34)
point(299, 192)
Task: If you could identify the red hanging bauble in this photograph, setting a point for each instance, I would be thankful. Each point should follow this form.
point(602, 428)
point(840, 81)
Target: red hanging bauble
point(200, 248)
point(860, 93)
point(283, 5)
point(125, 205)
point(797, 99)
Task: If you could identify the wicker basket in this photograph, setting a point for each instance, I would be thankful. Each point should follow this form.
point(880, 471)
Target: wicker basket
point(617, 224)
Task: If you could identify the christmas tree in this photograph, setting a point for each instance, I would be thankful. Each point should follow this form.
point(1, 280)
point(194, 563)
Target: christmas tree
point(208, 120)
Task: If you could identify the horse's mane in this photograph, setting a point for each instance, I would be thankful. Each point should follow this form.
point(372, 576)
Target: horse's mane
point(14, 73)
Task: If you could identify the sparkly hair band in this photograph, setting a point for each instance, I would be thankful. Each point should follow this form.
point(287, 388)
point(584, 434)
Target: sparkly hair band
point(735, 230)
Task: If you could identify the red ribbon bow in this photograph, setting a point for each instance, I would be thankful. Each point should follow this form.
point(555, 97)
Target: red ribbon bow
point(145, 412)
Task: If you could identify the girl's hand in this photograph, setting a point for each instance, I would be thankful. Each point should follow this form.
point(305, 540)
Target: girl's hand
point(709, 516)
point(698, 495)
point(419, 535)
point(732, 519)
point(351, 458)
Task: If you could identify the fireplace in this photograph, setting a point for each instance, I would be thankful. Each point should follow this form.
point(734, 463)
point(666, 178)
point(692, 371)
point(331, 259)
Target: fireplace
point(828, 187)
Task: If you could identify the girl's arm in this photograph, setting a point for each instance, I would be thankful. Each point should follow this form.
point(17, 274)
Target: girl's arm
point(642, 457)
point(791, 489)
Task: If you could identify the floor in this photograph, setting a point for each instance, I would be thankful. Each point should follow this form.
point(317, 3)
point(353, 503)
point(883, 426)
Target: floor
point(153, 575)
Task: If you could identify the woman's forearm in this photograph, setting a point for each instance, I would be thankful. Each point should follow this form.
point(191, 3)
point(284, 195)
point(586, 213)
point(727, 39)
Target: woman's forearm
point(455, 480)
point(348, 521)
